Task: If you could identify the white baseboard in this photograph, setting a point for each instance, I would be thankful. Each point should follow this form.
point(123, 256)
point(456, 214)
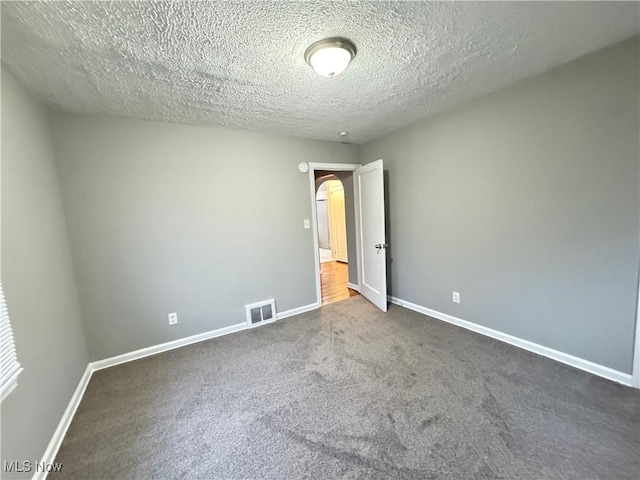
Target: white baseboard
point(163, 347)
point(353, 286)
point(298, 310)
point(52, 449)
point(576, 362)
point(54, 445)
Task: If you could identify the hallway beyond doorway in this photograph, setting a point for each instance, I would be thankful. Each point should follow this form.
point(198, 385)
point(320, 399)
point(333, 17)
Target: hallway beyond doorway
point(325, 255)
point(334, 277)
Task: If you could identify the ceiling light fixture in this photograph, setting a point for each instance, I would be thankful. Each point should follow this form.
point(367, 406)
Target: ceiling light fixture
point(330, 57)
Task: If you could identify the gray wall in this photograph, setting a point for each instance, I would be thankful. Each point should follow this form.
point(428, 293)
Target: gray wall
point(176, 218)
point(37, 276)
point(526, 202)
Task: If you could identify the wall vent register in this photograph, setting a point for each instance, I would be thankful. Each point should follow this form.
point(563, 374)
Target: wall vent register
point(261, 313)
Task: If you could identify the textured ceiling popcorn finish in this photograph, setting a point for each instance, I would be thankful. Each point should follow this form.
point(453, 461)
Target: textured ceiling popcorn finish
point(241, 65)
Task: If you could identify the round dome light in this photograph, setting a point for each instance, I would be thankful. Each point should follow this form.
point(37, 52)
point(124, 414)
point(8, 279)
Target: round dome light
point(331, 56)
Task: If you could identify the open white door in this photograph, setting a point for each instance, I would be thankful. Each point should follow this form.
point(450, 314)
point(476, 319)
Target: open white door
point(373, 253)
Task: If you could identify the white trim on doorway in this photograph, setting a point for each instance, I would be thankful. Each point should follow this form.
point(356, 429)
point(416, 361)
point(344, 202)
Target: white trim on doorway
point(330, 167)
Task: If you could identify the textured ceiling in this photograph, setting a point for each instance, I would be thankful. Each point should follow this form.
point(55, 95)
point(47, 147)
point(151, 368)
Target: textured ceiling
point(241, 66)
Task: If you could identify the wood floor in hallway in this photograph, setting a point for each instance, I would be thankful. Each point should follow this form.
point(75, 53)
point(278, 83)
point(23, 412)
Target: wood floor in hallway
point(334, 277)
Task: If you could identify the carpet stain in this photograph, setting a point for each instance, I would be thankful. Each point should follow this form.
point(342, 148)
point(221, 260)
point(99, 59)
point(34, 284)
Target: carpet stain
point(424, 424)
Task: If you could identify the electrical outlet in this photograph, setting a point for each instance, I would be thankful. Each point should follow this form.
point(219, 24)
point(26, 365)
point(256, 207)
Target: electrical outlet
point(173, 318)
point(307, 223)
point(456, 297)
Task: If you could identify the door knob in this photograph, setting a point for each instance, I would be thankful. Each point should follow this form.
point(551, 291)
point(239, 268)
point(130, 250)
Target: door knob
point(381, 245)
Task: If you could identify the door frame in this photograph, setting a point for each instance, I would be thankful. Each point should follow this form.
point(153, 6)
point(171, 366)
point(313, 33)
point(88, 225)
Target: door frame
point(332, 167)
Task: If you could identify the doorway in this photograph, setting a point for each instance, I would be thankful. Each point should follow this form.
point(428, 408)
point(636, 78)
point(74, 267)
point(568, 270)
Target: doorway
point(364, 207)
point(333, 242)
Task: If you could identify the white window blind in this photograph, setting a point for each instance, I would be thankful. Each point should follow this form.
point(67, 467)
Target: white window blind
point(9, 366)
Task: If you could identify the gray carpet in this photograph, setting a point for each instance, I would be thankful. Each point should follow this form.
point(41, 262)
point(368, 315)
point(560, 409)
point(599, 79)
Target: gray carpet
point(348, 392)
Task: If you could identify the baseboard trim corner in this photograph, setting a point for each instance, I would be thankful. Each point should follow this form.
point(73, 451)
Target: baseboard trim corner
point(297, 311)
point(164, 347)
point(61, 430)
point(576, 362)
